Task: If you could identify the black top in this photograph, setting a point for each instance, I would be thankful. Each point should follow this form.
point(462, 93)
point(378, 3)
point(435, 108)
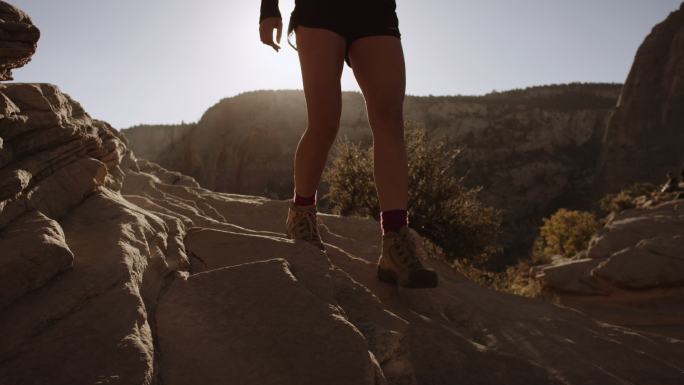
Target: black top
point(269, 8)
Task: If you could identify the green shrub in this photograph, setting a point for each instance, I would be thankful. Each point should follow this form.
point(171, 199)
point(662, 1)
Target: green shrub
point(440, 207)
point(565, 233)
point(350, 178)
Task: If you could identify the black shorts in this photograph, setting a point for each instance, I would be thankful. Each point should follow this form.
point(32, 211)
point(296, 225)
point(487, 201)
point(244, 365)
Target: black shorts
point(351, 19)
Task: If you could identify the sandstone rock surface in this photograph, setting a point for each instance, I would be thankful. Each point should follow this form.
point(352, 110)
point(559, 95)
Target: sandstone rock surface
point(174, 283)
point(286, 333)
point(34, 251)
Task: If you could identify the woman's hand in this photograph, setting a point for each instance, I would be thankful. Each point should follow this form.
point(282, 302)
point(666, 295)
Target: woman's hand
point(266, 28)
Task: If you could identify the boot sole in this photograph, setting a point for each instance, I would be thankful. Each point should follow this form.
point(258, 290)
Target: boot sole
point(387, 276)
point(319, 246)
point(421, 279)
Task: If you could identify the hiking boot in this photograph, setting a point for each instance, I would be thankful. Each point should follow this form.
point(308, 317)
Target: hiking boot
point(301, 223)
point(400, 264)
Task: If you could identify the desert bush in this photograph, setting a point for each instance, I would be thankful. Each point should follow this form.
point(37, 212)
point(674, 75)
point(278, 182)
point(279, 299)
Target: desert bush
point(351, 189)
point(440, 207)
point(515, 279)
point(625, 199)
point(565, 233)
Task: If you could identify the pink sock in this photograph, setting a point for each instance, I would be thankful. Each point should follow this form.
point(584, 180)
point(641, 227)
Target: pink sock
point(304, 201)
point(393, 220)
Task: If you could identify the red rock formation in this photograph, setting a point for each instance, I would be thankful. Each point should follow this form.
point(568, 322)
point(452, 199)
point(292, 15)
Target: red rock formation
point(18, 39)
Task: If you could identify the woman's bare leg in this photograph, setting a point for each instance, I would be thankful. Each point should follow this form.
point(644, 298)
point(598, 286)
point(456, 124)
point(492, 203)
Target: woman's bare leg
point(321, 58)
point(378, 64)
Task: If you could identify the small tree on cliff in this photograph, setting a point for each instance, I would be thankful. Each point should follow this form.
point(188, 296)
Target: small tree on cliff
point(440, 207)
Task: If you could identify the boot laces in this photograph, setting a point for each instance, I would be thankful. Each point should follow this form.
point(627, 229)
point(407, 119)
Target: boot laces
point(310, 220)
point(406, 250)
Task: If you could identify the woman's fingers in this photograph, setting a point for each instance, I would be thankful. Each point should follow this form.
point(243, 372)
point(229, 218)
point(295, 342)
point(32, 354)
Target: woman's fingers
point(266, 31)
point(279, 32)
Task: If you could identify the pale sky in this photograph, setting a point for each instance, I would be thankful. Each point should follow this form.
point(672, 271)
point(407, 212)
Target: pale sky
point(166, 61)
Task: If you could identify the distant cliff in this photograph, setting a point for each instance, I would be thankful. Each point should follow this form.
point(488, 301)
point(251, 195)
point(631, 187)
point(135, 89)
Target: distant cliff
point(243, 144)
point(645, 138)
point(154, 140)
point(533, 150)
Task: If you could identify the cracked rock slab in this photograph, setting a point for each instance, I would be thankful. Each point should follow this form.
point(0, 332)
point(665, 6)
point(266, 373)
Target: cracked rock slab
point(256, 324)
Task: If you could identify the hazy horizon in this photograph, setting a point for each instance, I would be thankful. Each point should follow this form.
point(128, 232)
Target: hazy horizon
point(128, 63)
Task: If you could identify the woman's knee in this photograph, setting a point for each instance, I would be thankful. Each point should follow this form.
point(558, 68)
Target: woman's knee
point(323, 133)
point(324, 118)
point(386, 114)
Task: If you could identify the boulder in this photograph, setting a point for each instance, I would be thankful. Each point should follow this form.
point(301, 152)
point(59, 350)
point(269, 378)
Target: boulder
point(18, 39)
point(632, 274)
point(652, 263)
point(570, 277)
point(630, 227)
